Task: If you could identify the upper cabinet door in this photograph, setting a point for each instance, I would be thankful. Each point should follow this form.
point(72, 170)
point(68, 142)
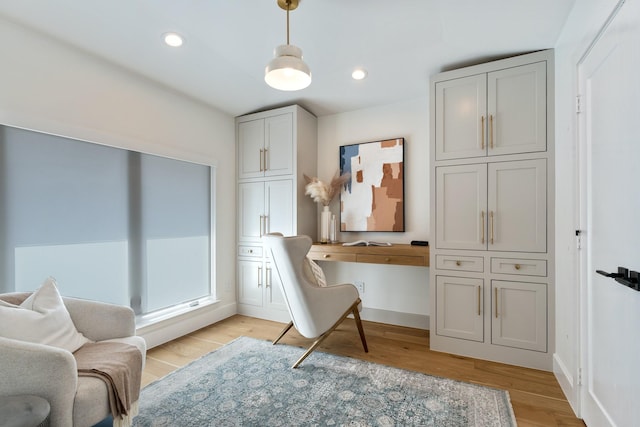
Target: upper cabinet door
point(251, 149)
point(517, 108)
point(265, 147)
point(278, 145)
point(461, 207)
point(518, 206)
point(461, 118)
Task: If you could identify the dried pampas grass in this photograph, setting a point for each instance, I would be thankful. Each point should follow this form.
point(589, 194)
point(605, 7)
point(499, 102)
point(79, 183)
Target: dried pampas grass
point(322, 192)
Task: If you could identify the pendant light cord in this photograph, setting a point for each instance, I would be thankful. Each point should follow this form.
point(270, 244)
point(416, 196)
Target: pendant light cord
point(288, 7)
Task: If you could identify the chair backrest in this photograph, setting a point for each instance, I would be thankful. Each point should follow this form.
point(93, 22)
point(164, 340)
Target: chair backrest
point(313, 309)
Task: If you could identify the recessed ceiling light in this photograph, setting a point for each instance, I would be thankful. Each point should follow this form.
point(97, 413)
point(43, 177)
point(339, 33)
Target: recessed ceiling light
point(173, 39)
point(359, 74)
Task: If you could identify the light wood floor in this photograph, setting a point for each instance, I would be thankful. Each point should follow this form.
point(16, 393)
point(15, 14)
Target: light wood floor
point(535, 395)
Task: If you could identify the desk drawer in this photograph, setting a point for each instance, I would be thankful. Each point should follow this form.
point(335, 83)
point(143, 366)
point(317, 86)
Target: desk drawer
point(392, 259)
point(524, 267)
point(460, 263)
point(331, 256)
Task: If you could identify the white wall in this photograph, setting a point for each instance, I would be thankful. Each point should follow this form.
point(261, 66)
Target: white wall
point(397, 294)
point(585, 21)
point(50, 87)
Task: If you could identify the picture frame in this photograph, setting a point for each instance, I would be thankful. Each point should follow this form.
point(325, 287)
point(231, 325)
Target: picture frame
point(373, 197)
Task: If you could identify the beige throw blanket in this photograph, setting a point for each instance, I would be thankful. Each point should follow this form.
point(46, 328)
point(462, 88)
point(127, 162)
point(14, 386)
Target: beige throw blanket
point(119, 366)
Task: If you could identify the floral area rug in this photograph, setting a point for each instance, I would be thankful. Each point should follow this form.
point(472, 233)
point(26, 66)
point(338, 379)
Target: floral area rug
point(249, 382)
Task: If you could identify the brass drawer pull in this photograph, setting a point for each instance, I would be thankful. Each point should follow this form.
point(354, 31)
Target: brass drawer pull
point(517, 266)
point(458, 263)
point(326, 256)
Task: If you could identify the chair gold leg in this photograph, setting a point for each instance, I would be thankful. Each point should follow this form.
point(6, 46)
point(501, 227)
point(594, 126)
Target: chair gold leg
point(284, 331)
point(353, 309)
point(356, 315)
point(310, 349)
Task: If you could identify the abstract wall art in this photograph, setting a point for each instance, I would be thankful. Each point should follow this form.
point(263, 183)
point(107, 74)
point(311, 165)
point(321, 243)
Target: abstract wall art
point(373, 198)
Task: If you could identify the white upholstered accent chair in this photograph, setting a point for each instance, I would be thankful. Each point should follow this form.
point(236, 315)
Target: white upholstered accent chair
point(315, 311)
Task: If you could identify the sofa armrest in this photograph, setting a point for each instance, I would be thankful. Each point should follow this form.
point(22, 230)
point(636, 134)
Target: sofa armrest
point(100, 321)
point(41, 370)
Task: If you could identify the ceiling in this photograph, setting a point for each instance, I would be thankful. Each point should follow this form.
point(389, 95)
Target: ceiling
point(228, 43)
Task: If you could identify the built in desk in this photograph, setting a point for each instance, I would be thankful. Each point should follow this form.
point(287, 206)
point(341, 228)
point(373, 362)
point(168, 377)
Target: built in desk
point(398, 254)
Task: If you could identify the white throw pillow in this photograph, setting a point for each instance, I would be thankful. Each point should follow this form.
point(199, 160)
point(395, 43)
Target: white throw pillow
point(314, 273)
point(42, 318)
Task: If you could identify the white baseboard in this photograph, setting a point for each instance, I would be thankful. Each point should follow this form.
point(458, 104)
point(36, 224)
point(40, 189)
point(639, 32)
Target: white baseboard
point(568, 384)
point(183, 324)
point(409, 320)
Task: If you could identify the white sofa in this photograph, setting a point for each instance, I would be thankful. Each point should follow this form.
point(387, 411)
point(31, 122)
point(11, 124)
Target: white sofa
point(50, 372)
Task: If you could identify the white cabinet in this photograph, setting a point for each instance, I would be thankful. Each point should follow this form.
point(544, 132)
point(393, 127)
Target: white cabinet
point(264, 207)
point(460, 307)
point(265, 146)
point(498, 206)
point(258, 286)
point(518, 311)
point(494, 113)
point(274, 149)
point(492, 193)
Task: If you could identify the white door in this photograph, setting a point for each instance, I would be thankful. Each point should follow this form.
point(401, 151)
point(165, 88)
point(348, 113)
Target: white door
point(278, 155)
point(251, 149)
point(461, 106)
point(517, 109)
point(459, 307)
point(461, 207)
point(279, 203)
point(250, 282)
point(251, 211)
point(517, 205)
point(519, 314)
point(610, 216)
point(273, 289)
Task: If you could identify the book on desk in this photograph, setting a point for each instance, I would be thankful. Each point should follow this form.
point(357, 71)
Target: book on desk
point(366, 243)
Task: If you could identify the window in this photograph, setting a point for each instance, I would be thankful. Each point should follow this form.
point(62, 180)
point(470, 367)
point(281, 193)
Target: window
point(109, 224)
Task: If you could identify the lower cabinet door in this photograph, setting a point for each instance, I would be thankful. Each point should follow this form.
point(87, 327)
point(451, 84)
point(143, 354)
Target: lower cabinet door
point(273, 290)
point(519, 314)
point(250, 282)
point(459, 307)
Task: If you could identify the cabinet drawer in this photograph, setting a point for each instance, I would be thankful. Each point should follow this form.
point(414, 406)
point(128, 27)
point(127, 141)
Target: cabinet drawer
point(524, 267)
point(460, 263)
point(391, 259)
point(331, 256)
point(252, 251)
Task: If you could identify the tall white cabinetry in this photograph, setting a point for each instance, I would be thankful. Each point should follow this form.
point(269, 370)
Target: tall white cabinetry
point(274, 149)
point(492, 207)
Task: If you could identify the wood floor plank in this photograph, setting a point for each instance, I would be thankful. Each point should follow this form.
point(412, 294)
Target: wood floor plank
point(536, 397)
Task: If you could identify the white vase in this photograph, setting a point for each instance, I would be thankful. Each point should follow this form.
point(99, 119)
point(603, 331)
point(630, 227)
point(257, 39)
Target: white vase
point(325, 222)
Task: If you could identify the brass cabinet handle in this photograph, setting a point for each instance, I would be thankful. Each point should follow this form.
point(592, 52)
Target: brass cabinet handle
point(479, 296)
point(482, 225)
point(491, 131)
point(491, 228)
point(266, 165)
point(259, 276)
point(387, 259)
point(458, 263)
point(496, 302)
point(482, 134)
point(517, 266)
point(261, 160)
point(326, 256)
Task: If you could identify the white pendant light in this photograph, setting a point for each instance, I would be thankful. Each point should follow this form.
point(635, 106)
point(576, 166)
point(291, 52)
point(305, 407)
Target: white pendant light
point(287, 71)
